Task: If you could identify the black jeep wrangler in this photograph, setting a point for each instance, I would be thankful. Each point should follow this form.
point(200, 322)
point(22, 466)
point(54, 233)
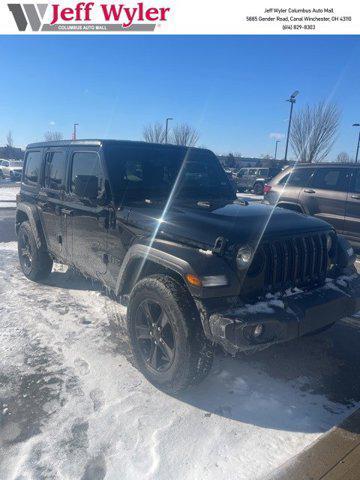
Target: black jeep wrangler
point(160, 226)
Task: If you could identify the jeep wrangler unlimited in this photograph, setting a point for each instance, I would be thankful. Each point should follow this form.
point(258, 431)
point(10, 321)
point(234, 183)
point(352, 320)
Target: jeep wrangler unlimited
point(161, 228)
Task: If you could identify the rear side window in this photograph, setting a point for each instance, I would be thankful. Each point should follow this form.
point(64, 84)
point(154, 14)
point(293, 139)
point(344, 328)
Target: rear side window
point(84, 166)
point(32, 167)
point(300, 177)
point(55, 170)
point(330, 179)
point(284, 179)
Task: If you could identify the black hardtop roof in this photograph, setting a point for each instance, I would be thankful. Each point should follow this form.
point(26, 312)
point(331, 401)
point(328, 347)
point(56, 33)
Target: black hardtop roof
point(100, 142)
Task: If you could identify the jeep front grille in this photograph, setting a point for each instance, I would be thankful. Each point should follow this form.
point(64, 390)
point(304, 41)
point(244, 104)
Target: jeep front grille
point(292, 262)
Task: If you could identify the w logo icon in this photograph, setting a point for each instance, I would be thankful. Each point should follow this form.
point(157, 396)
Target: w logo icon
point(28, 13)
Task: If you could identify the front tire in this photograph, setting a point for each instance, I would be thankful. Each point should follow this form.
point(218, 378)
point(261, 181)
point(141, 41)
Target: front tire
point(166, 335)
point(35, 262)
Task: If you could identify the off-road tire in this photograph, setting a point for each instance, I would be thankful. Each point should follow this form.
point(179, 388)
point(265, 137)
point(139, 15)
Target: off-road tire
point(258, 188)
point(41, 263)
point(193, 352)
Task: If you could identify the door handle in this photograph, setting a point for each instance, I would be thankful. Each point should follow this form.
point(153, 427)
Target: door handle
point(356, 197)
point(309, 190)
point(66, 211)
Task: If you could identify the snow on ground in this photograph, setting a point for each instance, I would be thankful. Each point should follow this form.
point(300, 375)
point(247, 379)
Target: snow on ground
point(250, 197)
point(8, 195)
point(74, 407)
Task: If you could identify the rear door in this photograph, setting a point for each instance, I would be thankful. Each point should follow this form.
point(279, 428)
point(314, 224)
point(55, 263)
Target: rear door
point(50, 200)
point(325, 196)
point(352, 214)
point(287, 189)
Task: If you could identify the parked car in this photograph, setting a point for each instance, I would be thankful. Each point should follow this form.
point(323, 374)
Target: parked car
point(1, 172)
point(328, 191)
point(255, 178)
point(160, 227)
point(11, 169)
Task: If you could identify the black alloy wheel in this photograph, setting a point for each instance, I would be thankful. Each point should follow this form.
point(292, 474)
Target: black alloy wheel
point(155, 336)
point(25, 251)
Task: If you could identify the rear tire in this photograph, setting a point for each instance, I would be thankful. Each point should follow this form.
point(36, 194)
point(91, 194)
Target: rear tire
point(166, 335)
point(35, 262)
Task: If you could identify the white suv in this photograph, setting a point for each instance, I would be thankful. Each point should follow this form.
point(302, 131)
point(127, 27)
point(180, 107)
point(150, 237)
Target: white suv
point(11, 169)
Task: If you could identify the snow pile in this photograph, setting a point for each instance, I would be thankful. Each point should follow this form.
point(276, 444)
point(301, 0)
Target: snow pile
point(73, 406)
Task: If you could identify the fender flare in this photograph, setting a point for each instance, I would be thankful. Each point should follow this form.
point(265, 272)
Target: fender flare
point(181, 260)
point(143, 253)
point(34, 219)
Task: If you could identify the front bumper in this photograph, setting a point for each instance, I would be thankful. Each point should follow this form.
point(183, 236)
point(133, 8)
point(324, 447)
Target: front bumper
point(285, 316)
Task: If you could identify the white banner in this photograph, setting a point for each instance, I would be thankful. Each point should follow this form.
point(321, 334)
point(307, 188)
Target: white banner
point(181, 17)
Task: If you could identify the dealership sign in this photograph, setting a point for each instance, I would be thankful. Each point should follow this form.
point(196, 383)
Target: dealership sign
point(88, 16)
point(180, 17)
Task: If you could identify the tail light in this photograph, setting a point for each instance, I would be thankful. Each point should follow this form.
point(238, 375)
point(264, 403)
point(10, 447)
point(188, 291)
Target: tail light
point(267, 188)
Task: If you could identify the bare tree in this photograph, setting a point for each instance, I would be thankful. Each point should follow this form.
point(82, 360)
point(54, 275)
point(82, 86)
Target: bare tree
point(9, 139)
point(154, 133)
point(185, 134)
point(314, 131)
point(343, 157)
point(53, 136)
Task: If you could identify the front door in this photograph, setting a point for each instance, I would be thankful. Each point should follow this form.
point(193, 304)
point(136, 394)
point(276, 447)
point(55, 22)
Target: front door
point(50, 199)
point(87, 219)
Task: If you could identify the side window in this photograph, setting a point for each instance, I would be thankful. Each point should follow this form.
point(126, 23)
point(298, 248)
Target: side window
point(284, 179)
point(32, 167)
point(330, 179)
point(252, 171)
point(55, 170)
point(86, 173)
point(300, 177)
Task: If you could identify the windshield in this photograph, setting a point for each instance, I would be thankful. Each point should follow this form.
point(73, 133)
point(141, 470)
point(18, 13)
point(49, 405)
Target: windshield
point(150, 172)
point(15, 163)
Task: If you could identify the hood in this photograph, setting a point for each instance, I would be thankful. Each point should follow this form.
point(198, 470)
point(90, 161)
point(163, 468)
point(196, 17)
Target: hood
point(237, 223)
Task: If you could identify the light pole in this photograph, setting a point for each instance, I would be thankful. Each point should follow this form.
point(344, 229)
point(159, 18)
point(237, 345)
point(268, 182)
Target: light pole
point(74, 132)
point(358, 143)
point(167, 128)
point(276, 148)
point(292, 101)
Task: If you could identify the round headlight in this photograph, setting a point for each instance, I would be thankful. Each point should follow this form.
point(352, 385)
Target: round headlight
point(244, 257)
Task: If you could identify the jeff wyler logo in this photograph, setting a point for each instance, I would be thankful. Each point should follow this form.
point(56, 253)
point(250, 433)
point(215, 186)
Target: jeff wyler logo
point(88, 16)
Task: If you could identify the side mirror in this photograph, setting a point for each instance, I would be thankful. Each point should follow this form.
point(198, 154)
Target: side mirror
point(87, 187)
